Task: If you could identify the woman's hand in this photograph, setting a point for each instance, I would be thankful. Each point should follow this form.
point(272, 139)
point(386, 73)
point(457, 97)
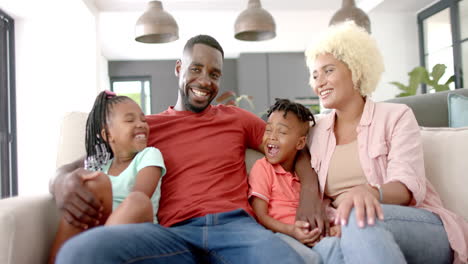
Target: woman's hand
point(363, 199)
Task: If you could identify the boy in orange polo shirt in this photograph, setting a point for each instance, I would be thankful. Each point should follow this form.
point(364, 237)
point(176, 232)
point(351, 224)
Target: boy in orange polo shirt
point(274, 186)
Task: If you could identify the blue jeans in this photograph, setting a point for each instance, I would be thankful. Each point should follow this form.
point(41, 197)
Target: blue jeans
point(231, 237)
point(327, 251)
point(407, 235)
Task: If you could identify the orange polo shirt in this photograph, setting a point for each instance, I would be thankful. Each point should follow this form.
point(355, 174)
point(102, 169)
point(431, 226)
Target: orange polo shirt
point(279, 188)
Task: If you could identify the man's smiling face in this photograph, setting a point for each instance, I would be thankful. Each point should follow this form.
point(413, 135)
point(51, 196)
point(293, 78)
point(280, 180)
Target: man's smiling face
point(199, 74)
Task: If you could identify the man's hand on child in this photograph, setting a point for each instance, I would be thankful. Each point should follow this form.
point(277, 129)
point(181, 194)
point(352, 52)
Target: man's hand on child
point(300, 231)
point(335, 231)
point(313, 213)
point(80, 208)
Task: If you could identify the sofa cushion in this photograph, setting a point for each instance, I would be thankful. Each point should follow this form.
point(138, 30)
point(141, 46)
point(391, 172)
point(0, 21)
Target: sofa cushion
point(445, 152)
point(457, 110)
point(72, 138)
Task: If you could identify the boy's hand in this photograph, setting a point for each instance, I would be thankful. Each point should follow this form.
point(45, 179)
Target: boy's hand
point(335, 231)
point(300, 231)
point(79, 205)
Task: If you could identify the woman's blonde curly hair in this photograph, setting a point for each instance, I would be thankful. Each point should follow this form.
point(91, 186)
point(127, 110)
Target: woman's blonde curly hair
point(353, 46)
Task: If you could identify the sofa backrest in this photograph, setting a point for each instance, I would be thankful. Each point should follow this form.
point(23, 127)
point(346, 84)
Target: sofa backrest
point(71, 147)
point(431, 109)
point(72, 137)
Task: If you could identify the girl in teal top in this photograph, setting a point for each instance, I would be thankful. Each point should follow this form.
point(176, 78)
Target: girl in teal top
point(127, 174)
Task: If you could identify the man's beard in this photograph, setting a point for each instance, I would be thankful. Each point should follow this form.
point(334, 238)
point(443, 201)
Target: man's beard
point(193, 108)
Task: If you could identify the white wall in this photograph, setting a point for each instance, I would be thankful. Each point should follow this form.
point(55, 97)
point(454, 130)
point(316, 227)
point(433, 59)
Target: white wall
point(58, 69)
point(397, 37)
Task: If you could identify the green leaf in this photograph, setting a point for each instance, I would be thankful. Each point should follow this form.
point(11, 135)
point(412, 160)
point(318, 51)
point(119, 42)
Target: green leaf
point(400, 86)
point(450, 80)
point(403, 94)
point(437, 72)
point(417, 76)
point(440, 87)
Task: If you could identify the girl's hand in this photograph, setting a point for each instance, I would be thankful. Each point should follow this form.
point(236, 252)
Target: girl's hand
point(300, 231)
point(363, 199)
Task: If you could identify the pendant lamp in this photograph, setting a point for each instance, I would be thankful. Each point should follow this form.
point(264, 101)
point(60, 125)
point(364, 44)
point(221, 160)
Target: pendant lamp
point(254, 23)
point(156, 25)
point(349, 11)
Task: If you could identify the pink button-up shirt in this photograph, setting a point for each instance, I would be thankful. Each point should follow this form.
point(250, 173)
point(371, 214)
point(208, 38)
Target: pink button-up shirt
point(390, 149)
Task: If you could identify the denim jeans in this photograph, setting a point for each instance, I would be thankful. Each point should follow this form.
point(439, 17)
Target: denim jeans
point(407, 235)
point(231, 237)
point(327, 251)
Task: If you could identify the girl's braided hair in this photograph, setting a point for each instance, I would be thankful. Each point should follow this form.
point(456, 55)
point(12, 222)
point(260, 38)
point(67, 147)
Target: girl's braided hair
point(98, 150)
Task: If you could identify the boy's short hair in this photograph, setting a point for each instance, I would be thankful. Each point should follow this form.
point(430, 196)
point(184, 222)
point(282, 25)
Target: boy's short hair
point(285, 105)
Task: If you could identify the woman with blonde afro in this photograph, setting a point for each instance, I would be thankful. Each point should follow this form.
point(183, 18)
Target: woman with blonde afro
point(369, 161)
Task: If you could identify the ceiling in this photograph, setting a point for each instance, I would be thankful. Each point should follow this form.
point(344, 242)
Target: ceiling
point(294, 19)
point(239, 5)
point(297, 23)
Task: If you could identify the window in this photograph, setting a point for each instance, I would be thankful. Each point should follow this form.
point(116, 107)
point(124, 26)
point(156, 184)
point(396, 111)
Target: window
point(463, 9)
point(137, 88)
point(443, 38)
point(8, 165)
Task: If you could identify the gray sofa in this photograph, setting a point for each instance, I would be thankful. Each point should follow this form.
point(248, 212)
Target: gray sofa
point(430, 109)
point(28, 224)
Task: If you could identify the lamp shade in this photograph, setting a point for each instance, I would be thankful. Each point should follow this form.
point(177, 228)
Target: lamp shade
point(156, 25)
point(254, 23)
point(349, 11)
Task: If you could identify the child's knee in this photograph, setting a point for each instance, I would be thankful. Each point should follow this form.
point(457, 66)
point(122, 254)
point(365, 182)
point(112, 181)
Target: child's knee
point(99, 184)
point(101, 187)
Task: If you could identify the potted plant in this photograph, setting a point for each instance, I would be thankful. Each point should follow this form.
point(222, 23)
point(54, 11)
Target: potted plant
point(420, 75)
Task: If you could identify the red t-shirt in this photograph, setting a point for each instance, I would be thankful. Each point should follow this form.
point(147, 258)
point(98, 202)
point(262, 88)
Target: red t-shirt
point(204, 155)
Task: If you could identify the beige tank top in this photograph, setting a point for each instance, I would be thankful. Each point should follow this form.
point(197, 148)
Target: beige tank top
point(344, 172)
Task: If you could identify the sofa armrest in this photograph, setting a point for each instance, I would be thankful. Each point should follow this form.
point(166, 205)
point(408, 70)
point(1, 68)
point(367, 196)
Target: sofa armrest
point(28, 226)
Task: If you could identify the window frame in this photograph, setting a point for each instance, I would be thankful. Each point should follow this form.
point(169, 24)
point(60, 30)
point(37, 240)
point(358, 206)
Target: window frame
point(456, 41)
point(142, 80)
point(9, 166)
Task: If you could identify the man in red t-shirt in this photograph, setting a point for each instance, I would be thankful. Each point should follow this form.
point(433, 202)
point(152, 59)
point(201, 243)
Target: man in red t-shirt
point(204, 211)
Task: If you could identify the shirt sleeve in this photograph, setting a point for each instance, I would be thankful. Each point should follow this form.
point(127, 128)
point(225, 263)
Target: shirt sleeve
point(405, 156)
point(260, 181)
point(151, 156)
point(254, 129)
